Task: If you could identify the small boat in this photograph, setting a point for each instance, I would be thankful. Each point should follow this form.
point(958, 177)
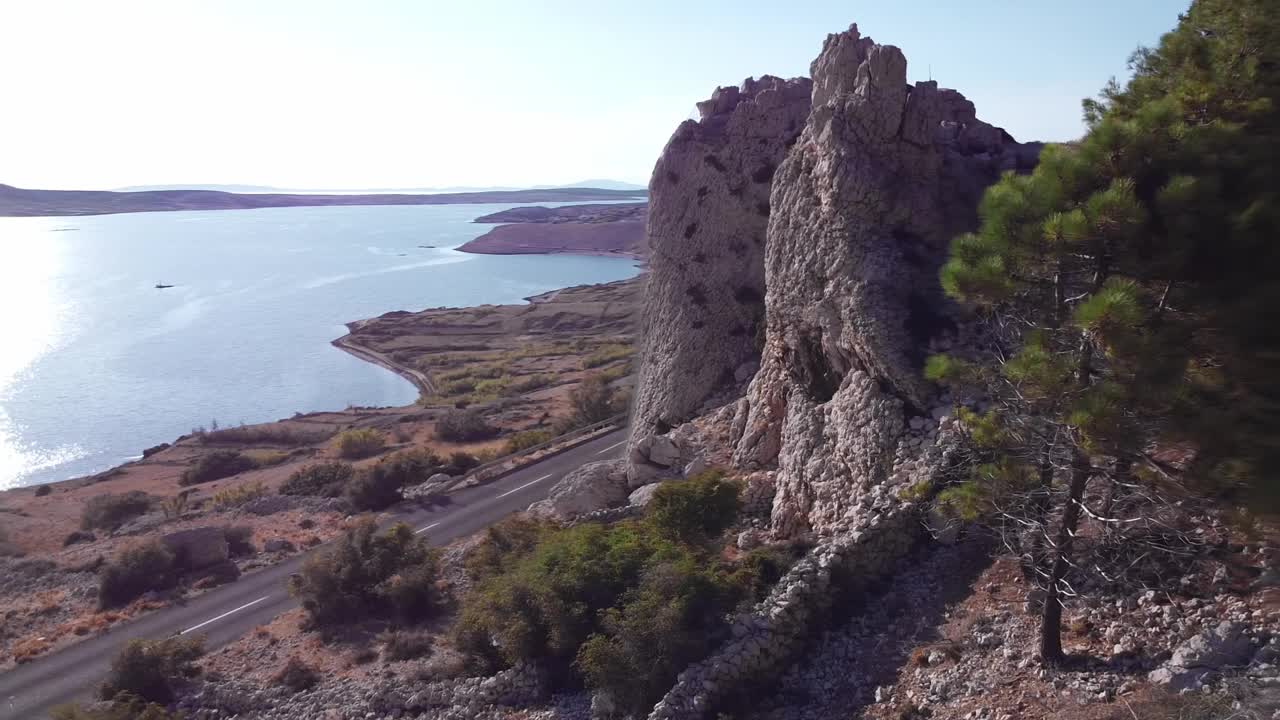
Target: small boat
point(162, 286)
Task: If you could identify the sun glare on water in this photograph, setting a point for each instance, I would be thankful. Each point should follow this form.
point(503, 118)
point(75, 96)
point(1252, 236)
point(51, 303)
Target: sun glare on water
point(31, 315)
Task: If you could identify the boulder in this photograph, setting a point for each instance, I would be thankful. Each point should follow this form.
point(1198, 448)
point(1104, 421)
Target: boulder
point(198, 547)
point(593, 486)
point(641, 496)
point(1219, 648)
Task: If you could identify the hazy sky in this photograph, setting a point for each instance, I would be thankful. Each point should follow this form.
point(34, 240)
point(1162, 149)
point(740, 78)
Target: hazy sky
point(370, 93)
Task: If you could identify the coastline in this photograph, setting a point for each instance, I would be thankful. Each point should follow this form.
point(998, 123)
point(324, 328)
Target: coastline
point(347, 344)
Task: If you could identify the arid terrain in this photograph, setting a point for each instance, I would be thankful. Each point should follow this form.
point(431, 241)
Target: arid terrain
point(514, 363)
point(610, 230)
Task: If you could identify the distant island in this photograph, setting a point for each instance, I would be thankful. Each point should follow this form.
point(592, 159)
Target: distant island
point(19, 202)
point(611, 230)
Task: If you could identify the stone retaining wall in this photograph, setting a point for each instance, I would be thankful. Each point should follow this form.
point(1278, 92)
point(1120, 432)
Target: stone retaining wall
point(778, 626)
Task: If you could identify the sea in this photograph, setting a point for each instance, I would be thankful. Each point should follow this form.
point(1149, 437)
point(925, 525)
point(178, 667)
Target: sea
point(97, 362)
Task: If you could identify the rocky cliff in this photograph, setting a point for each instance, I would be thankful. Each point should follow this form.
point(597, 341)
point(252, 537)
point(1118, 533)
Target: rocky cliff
point(709, 210)
point(860, 211)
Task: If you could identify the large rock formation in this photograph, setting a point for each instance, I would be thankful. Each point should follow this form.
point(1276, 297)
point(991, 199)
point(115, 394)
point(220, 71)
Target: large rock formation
point(708, 212)
point(882, 177)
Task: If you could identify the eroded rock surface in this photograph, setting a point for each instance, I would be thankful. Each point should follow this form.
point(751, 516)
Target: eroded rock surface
point(708, 213)
point(882, 177)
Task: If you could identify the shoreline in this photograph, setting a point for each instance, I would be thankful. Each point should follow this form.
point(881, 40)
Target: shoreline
point(419, 379)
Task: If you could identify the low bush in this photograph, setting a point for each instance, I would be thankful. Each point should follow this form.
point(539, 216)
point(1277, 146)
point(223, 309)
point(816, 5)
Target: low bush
point(231, 498)
point(297, 675)
point(175, 506)
point(605, 354)
point(370, 574)
point(459, 463)
point(323, 480)
point(378, 487)
point(110, 511)
point(78, 536)
point(694, 510)
point(593, 400)
point(406, 644)
point(239, 540)
point(269, 434)
point(215, 466)
point(151, 669)
point(529, 384)
point(123, 707)
point(136, 570)
point(43, 490)
point(626, 606)
point(361, 443)
point(464, 426)
point(527, 439)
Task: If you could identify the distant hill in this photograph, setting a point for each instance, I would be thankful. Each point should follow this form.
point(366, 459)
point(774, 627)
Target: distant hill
point(19, 202)
point(602, 184)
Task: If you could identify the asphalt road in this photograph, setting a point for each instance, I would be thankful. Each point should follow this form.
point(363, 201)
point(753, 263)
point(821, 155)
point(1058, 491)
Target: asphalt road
point(224, 614)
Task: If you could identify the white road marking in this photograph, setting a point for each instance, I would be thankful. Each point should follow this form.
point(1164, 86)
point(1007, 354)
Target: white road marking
point(531, 482)
point(610, 447)
point(225, 614)
point(419, 531)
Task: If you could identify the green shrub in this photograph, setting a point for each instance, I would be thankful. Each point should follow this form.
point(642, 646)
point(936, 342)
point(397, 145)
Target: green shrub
point(267, 434)
point(110, 511)
point(626, 606)
point(215, 466)
point(123, 707)
point(593, 400)
point(136, 570)
point(674, 618)
point(239, 540)
point(361, 443)
point(527, 439)
point(327, 479)
point(464, 426)
point(78, 536)
point(529, 384)
point(378, 487)
point(297, 675)
point(460, 462)
point(235, 497)
point(370, 574)
point(606, 354)
point(696, 509)
point(150, 669)
point(406, 644)
point(489, 389)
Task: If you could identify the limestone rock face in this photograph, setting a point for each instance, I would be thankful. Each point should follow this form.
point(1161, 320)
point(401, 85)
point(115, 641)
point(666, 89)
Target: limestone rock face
point(708, 212)
point(862, 210)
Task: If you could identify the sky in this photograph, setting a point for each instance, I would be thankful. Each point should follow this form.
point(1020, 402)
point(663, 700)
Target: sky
point(429, 93)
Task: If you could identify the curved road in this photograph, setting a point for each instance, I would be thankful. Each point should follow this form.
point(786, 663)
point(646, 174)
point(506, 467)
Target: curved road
point(224, 614)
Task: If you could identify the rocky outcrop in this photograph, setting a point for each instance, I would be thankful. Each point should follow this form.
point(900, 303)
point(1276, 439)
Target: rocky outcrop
point(882, 177)
point(594, 486)
point(708, 213)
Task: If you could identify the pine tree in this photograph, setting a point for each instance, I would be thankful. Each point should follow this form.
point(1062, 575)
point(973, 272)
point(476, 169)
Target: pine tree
point(1130, 288)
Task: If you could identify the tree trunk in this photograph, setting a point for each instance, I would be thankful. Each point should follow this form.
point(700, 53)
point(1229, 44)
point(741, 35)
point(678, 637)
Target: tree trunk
point(1051, 617)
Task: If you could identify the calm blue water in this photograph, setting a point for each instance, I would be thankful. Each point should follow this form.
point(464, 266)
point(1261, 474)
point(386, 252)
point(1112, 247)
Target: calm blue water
point(96, 364)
